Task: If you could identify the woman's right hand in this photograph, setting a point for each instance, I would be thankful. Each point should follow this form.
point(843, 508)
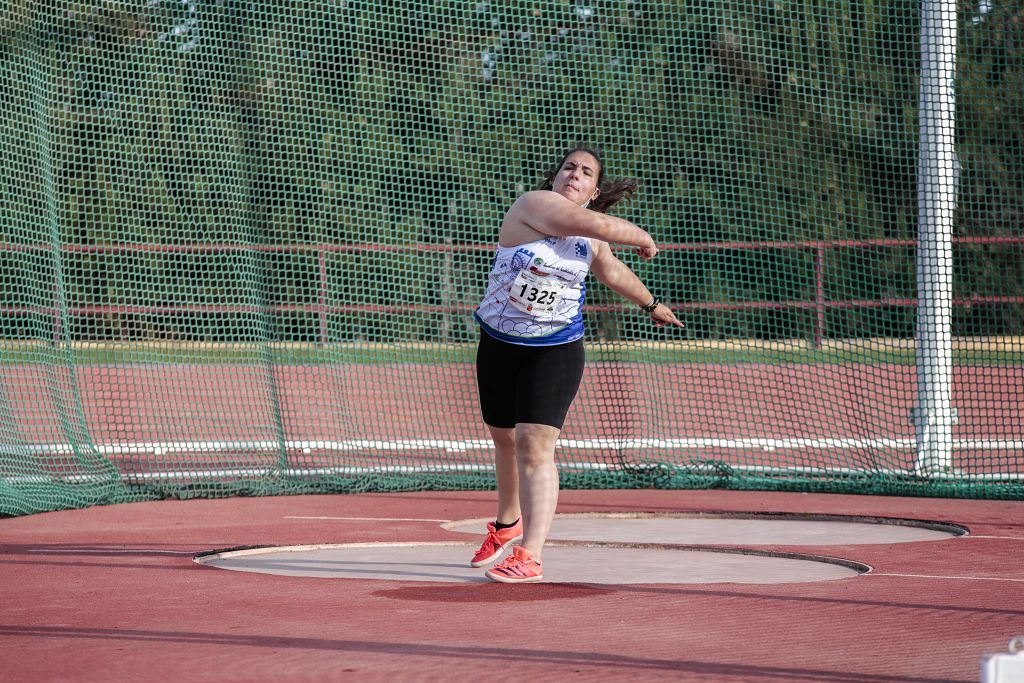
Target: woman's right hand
point(647, 253)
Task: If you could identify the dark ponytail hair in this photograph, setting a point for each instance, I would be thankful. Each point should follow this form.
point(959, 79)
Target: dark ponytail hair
point(612, 191)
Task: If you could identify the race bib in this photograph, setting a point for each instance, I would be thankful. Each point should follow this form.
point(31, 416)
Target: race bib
point(536, 293)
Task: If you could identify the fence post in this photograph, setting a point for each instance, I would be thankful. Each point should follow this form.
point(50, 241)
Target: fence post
point(321, 300)
point(819, 294)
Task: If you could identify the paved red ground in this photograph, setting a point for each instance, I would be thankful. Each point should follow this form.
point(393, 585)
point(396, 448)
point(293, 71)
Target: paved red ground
point(112, 594)
point(159, 403)
point(805, 415)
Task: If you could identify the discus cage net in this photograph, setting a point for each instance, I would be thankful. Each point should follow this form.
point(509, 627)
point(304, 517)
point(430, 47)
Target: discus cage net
point(241, 242)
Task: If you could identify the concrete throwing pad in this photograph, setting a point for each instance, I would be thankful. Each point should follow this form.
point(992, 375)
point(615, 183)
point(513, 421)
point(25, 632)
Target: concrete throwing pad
point(563, 563)
point(614, 548)
point(734, 529)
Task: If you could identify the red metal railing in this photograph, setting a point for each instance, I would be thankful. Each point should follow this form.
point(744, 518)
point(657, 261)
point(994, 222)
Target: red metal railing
point(819, 304)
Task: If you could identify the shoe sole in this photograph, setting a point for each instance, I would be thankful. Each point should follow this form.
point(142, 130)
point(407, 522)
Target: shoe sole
point(504, 579)
point(496, 555)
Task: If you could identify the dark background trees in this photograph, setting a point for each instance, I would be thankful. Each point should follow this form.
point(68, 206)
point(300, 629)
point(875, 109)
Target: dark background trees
point(232, 123)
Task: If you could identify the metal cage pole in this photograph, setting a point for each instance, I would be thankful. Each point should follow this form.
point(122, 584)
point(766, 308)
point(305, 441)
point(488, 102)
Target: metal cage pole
point(934, 415)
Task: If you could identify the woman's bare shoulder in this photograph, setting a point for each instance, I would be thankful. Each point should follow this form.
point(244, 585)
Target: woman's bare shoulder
point(535, 199)
point(600, 248)
point(516, 227)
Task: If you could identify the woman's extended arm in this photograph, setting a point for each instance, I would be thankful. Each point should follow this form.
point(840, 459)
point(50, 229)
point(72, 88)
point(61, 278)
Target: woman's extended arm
point(549, 213)
point(617, 275)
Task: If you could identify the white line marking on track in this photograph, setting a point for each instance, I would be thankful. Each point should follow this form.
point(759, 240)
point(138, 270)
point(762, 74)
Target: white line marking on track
point(375, 519)
point(767, 443)
point(427, 463)
point(952, 578)
point(1001, 538)
point(108, 551)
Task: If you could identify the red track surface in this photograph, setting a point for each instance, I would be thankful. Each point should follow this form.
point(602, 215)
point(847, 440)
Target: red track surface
point(151, 403)
point(111, 594)
point(137, 406)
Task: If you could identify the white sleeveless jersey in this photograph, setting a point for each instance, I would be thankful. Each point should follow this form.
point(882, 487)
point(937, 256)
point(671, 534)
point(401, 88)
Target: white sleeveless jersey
point(535, 292)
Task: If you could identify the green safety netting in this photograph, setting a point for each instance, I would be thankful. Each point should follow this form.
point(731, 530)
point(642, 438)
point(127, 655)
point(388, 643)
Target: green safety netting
point(241, 242)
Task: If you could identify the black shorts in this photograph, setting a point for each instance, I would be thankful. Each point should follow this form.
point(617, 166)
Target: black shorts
point(531, 384)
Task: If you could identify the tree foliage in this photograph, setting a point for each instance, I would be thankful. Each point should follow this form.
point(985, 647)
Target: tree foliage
point(309, 122)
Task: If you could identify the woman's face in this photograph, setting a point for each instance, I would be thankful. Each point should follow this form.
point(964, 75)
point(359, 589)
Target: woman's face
point(576, 180)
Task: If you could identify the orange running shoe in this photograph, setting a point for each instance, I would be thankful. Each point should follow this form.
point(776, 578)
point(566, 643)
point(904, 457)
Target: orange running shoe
point(519, 567)
point(497, 542)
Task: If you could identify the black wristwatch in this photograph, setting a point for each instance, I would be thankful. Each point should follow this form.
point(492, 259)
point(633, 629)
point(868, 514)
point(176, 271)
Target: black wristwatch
point(651, 306)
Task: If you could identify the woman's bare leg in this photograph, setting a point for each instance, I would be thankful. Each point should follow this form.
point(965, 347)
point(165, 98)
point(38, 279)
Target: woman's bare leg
point(507, 474)
point(538, 482)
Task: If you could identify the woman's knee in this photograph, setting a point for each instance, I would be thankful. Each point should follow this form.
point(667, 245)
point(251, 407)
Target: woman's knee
point(535, 444)
point(504, 439)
